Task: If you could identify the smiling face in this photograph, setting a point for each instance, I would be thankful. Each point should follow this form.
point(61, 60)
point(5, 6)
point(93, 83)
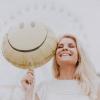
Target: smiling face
point(67, 52)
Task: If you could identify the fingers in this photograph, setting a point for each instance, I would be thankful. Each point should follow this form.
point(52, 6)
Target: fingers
point(30, 72)
point(29, 78)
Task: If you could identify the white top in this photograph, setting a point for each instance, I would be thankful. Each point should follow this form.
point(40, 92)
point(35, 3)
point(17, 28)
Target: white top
point(61, 90)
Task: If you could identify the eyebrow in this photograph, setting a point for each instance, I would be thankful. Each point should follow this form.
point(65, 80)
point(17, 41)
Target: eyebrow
point(68, 43)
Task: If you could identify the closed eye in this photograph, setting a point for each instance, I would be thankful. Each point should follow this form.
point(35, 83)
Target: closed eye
point(71, 45)
point(60, 46)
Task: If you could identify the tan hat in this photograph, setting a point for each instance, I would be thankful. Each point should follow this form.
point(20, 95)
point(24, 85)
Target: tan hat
point(29, 45)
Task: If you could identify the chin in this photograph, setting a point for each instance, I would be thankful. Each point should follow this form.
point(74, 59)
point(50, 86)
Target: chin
point(66, 61)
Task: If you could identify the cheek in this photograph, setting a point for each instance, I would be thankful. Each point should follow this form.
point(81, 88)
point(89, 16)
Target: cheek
point(57, 52)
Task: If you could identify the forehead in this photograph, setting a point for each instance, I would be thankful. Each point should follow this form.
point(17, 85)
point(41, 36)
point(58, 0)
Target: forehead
point(67, 40)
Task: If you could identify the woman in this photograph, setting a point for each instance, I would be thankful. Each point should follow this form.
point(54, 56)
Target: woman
point(74, 76)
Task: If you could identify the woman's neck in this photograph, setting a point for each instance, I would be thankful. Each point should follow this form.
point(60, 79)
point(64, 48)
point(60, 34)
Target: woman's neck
point(67, 72)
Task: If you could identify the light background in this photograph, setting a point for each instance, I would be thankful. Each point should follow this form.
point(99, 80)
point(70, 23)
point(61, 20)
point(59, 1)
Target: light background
point(62, 16)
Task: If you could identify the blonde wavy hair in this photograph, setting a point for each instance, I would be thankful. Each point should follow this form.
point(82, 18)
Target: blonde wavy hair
point(85, 72)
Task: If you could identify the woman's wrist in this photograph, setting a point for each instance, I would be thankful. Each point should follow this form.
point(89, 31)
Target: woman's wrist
point(28, 95)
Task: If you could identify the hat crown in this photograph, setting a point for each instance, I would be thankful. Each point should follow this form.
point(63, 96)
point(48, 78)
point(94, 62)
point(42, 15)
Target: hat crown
point(27, 36)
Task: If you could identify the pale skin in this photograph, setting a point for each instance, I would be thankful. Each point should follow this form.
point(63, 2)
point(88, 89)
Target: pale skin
point(66, 58)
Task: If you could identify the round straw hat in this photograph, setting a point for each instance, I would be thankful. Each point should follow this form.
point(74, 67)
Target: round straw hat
point(29, 45)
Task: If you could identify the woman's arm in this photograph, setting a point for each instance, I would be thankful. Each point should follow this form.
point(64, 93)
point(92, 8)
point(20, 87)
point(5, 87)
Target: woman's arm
point(27, 83)
point(26, 91)
point(36, 97)
point(98, 92)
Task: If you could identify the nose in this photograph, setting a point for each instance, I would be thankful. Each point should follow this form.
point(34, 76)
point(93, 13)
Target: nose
point(65, 48)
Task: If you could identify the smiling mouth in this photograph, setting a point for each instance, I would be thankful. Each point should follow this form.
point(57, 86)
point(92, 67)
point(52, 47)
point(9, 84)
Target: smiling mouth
point(65, 54)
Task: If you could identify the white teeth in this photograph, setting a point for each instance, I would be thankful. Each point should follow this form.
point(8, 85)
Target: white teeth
point(65, 54)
